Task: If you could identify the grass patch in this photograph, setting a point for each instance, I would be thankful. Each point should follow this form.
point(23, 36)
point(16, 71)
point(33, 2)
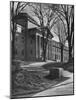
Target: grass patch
point(30, 82)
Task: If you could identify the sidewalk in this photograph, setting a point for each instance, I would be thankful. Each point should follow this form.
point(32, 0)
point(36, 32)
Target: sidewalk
point(35, 64)
point(62, 88)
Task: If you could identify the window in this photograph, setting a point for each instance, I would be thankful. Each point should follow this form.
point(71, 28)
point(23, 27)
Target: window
point(18, 28)
point(56, 57)
point(31, 52)
point(23, 52)
point(31, 41)
point(16, 38)
point(59, 50)
point(23, 30)
point(23, 39)
point(55, 49)
point(16, 51)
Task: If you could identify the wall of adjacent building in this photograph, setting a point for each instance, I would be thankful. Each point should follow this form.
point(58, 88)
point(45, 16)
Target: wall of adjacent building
point(55, 52)
point(19, 46)
point(31, 46)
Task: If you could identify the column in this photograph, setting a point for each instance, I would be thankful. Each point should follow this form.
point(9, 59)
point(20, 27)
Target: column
point(39, 46)
point(36, 46)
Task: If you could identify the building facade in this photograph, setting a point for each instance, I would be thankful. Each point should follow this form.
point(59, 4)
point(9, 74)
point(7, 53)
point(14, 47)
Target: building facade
point(56, 52)
point(28, 45)
point(30, 49)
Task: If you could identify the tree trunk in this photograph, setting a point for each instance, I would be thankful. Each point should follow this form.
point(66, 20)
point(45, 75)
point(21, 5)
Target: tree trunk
point(61, 52)
point(44, 58)
point(69, 44)
point(44, 46)
point(13, 40)
point(45, 42)
point(12, 29)
point(70, 51)
point(69, 41)
point(44, 50)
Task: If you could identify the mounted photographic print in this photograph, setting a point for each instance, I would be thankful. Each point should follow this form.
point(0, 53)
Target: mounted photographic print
point(42, 49)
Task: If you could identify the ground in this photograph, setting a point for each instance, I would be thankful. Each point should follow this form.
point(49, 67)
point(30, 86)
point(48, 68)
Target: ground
point(34, 81)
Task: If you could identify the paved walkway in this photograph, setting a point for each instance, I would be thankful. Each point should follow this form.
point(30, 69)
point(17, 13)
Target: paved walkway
point(62, 88)
point(35, 64)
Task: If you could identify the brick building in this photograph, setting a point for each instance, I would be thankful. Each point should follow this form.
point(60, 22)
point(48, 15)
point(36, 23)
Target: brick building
point(28, 43)
point(56, 52)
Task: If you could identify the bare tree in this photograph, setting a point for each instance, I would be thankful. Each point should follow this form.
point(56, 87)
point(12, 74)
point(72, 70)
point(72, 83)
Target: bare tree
point(46, 20)
point(66, 12)
point(15, 9)
point(60, 32)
